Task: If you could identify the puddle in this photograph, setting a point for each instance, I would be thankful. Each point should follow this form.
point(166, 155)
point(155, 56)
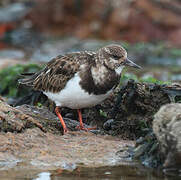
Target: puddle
point(103, 173)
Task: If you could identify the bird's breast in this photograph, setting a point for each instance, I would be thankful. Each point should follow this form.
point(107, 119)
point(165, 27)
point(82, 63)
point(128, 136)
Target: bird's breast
point(98, 80)
point(74, 96)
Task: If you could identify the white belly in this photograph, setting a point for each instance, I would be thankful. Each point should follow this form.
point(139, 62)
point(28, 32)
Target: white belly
point(72, 96)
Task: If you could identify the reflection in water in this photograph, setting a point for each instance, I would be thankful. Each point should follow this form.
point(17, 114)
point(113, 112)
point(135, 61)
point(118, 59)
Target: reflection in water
point(43, 176)
point(115, 172)
point(123, 172)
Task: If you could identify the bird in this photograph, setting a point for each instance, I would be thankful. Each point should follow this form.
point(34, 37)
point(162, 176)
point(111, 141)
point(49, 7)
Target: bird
point(78, 80)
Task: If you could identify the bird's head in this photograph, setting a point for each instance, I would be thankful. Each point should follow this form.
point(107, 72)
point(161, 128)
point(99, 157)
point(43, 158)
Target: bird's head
point(115, 57)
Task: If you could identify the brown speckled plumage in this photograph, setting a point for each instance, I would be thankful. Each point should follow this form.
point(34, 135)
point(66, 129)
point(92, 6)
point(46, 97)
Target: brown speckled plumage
point(88, 83)
point(58, 71)
point(96, 70)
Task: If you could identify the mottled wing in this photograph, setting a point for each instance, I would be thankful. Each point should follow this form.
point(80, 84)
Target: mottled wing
point(58, 71)
point(56, 74)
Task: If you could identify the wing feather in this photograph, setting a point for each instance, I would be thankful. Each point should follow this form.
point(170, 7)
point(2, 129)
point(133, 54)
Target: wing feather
point(58, 71)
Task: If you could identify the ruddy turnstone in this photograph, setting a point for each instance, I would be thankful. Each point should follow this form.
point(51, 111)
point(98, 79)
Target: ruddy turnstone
point(80, 79)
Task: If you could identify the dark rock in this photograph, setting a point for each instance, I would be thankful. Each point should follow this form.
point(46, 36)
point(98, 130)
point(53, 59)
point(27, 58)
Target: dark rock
point(136, 103)
point(140, 140)
point(108, 124)
point(140, 150)
point(69, 115)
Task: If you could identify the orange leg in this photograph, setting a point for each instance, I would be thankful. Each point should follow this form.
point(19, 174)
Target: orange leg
point(57, 110)
point(81, 126)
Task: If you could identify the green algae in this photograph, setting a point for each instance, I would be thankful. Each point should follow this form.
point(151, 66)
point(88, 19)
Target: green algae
point(9, 79)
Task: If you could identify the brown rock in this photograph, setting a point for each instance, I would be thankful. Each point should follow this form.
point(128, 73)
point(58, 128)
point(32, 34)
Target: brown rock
point(35, 148)
point(53, 150)
point(14, 120)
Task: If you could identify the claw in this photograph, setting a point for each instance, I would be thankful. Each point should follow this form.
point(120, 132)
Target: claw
point(65, 130)
point(85, 129)
point(81, 126)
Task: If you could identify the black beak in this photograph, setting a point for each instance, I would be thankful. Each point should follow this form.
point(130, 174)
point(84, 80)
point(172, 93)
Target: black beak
point(128, 62)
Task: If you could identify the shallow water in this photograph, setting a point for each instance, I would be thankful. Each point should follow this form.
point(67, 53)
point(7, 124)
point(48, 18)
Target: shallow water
point(103, 173)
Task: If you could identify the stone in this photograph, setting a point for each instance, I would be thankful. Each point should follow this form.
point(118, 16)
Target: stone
point(108, 124)
point(167, 128)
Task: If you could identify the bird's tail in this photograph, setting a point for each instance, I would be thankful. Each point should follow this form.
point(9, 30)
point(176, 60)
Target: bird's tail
point(27, 79)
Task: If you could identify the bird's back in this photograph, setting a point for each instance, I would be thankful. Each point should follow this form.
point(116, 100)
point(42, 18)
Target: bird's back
point(57, 72)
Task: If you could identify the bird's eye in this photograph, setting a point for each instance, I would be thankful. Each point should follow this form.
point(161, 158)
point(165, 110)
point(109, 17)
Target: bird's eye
point(115, 57)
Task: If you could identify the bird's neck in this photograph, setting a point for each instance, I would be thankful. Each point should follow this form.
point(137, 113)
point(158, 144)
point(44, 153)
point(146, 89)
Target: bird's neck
point(119, 70)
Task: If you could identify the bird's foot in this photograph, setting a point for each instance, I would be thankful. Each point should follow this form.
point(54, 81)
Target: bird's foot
point(85, 129)
point(65, 130)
